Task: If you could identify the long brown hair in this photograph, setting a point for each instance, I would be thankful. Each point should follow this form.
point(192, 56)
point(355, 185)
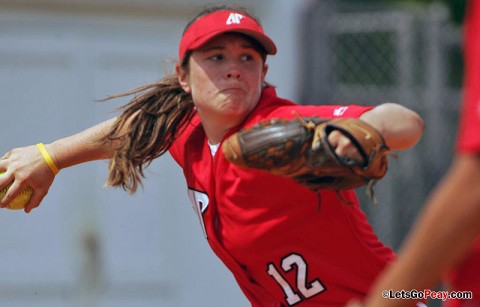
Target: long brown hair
point(152, 119)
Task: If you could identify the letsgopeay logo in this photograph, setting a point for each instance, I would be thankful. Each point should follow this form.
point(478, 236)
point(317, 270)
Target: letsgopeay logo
point(426, 294)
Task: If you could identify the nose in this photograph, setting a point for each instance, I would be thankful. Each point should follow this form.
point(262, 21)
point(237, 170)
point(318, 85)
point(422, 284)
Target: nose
point(233, 75)
point(233, 72)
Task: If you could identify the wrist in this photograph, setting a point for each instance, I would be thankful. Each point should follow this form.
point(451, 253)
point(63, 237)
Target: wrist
point(52, 150)
point(49, 160)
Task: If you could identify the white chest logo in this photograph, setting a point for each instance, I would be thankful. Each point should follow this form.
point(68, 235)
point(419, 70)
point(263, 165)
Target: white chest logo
point(234, 18)
point(200, 204)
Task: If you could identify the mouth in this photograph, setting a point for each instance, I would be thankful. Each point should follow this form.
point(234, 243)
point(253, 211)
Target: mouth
point(232, 90)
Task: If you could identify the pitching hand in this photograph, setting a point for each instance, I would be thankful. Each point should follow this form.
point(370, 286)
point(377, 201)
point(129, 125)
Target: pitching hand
point(25, 167)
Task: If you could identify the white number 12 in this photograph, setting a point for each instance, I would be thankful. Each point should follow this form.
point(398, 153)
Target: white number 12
point(307, 290)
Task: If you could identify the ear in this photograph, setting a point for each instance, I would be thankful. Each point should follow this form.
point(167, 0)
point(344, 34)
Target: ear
point(264, 72)
point(182, 76)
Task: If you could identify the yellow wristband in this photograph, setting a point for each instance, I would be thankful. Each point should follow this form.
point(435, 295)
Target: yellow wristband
point(46, 156)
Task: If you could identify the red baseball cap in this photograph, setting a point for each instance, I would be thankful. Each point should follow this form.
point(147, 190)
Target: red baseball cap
point(211, 25)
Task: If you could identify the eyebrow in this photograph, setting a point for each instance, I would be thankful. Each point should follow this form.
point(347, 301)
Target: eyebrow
point(246, 45)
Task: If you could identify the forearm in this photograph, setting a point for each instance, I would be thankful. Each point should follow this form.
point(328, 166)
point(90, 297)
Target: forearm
point(83, 147)
point(441, 237)
point(401, 127)
point(26, 166)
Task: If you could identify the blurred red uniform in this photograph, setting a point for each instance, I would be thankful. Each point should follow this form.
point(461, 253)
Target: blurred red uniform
point(466, 277)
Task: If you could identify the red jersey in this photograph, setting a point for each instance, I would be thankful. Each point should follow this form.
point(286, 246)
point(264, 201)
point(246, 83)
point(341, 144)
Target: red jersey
point(467, 276)
point(284, 244)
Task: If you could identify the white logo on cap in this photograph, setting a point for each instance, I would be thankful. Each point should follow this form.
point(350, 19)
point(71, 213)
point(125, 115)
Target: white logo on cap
point(234, 18)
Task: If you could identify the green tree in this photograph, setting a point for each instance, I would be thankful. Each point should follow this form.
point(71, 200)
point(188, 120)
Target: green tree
point(456, 7)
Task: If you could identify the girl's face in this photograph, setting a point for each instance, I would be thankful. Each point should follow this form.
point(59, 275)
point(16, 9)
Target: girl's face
point(225, 78)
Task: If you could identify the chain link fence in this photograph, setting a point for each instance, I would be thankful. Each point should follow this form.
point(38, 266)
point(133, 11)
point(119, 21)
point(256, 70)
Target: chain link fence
point(370, 54)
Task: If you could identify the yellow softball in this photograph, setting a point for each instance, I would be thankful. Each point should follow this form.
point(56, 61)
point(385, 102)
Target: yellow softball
point(21, 200)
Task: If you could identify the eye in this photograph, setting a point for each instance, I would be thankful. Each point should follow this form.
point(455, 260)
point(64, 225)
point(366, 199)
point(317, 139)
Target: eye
point(251, 55)
point(216, 57)
point(247, 57)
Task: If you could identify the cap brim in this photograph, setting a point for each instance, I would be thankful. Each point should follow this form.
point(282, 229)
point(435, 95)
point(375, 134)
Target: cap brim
point(262, 39)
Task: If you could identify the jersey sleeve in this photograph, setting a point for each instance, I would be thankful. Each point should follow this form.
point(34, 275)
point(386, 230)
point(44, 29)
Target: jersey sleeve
point(323, 111)
point(468, 140)
point(177, 150)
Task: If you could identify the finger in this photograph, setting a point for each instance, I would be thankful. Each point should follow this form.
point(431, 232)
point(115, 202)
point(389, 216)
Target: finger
point(5, 180)
point(349, 152)
point(11, 193)
point(4, 162)
point(334, 138)
point(5, 156)
point(3, 165)
point(345, 148)
point(35, 201)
